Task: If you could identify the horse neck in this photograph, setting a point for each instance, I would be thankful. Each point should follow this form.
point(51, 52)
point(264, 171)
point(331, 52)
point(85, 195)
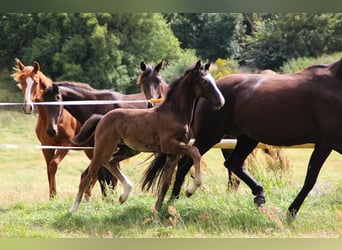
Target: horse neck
point(180, 101)
point(164, 88)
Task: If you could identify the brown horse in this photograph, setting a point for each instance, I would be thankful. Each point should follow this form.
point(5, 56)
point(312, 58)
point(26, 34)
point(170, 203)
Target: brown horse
point(280, 110)
point(161, 129)
point(152, 84)
point(71, 91)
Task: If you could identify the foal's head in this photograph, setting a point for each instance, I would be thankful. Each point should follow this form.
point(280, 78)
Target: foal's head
point(151, 82)
point(29, 78)
point(204, 84)
point(52, 113)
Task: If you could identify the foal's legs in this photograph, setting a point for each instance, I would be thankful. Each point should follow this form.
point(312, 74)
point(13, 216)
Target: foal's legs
point(243, 148)
point(126, 183)
point(319, 155)
point(86, 178)
point(104, 155)
point(186, 162)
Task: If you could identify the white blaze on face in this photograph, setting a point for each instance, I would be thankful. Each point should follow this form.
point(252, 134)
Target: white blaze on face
point(212, 81)
point(28, 106)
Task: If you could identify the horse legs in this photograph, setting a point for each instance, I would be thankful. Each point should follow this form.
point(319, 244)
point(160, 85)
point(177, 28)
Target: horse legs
point(86, 177)
point(126, 183)
point(318, 156)
point(243, 148)
point(170, 164)
point(185, 163)
point(233, 181)
point(53, 158)
point(103, 176)
point(184, 166)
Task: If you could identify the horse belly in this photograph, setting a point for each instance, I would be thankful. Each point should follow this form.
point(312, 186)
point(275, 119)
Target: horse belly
point(143, 144)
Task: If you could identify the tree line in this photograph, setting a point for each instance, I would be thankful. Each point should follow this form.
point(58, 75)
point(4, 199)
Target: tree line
point(105, 49)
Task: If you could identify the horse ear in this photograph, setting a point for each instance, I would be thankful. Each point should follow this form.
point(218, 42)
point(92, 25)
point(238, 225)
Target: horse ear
point(198, 65)
point(160, 66)
point(142, 66)
point(36, 66)
point(207, 66)
point(20, 64)
point(55, 88)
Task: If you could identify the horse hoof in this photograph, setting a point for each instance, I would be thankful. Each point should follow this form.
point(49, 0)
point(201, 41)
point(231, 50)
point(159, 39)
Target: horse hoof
point(259, 201)
point(122, 199)
point(291, 214)
point(188, 194)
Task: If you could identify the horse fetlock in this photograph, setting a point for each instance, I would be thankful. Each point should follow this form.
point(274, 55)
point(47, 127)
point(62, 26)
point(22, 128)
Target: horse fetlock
point(125, 194)
point(259, 201)
point(192, 189)
point(74, 208)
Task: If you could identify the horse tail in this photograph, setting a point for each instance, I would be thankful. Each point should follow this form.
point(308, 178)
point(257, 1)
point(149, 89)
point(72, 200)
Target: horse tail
point(153, 172)
point(87, 130)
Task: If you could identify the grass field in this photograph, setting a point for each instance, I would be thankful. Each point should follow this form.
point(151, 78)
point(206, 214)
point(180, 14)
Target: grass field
point(26, 211)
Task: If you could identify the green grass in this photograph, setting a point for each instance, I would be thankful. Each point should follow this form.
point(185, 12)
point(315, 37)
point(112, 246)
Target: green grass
point(26, 211)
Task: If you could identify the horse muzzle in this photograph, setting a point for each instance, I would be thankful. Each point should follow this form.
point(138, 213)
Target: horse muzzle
point(52, 132)
point(220, 103)
point(28, 109)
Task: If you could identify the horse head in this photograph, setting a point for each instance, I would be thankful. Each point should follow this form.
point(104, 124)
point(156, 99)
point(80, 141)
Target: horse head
point(151, 82)
point(204, 84)
point(29, 79)
point(53, 113)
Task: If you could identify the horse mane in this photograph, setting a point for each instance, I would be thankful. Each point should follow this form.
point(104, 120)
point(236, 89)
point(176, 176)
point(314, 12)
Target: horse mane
point(336, 69)
point(17, 74)
point(174, 83)
point(172, 86)
point(75, 85)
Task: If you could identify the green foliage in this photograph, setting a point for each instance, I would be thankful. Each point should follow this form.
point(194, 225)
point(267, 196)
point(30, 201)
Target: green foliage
point(212, 35)
point(285, 36)
point(102, 49)
point(178, 67)
point(298, 64)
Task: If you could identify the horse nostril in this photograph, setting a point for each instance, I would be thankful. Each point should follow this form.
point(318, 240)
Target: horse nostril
point(28, 109)
point(51, 132)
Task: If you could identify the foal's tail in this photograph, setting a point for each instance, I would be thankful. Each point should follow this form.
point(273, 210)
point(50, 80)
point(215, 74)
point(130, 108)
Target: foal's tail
point(154, 172)
point(87, 130)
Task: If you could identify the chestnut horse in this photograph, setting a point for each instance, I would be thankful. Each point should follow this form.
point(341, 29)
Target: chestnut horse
point(281, 110)
point(29, 79)
point(161, 129)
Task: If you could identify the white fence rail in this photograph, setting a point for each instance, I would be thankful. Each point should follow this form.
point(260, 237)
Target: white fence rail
point(224, 143)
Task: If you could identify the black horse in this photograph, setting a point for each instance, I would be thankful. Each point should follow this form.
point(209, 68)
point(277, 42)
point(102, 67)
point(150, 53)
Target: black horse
point(281, 110)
